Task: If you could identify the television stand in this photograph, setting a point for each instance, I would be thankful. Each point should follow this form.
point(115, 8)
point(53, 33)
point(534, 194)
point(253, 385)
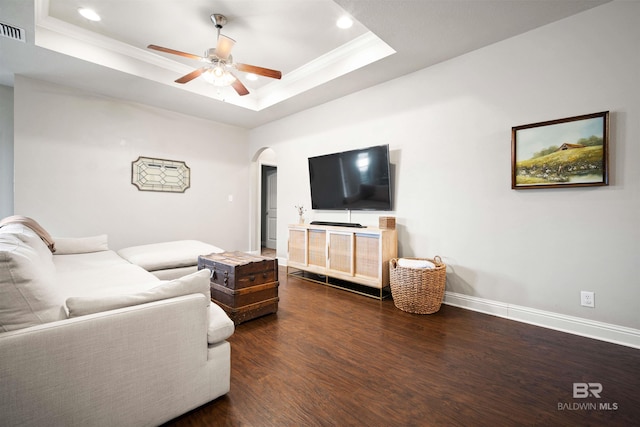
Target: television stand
point(336, 255)
point(338, 224)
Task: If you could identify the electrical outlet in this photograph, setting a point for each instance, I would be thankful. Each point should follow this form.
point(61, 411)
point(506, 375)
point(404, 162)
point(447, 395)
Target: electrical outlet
point(587, 299)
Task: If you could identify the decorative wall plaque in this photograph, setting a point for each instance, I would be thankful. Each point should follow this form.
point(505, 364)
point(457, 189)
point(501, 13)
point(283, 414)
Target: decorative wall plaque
point(150, 174)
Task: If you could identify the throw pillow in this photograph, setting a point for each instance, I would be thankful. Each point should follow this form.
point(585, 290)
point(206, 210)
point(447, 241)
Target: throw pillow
point(190, 284)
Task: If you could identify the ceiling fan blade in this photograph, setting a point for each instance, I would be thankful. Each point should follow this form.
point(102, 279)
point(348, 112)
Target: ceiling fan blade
point(192, 75)
point(223, 49)
point(174, 52)
point(239, 87)
point(274, 74)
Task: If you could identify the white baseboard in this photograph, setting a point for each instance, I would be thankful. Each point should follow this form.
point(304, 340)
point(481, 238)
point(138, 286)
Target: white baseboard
point(574, 325)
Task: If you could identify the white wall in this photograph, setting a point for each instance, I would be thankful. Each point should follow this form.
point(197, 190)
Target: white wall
point(73, 154)
point(449, 130)
point(6, 151)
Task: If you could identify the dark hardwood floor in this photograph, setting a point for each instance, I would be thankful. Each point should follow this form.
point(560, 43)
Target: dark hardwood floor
point(268, 252)
point(330, 357)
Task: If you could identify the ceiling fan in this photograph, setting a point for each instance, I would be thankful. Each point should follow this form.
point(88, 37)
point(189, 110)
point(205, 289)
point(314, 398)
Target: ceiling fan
point(220, 64)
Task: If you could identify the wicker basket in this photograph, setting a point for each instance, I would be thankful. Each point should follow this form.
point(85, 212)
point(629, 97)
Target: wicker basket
point(418, 290)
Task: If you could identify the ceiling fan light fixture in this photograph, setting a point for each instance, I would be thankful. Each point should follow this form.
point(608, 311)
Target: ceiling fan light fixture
point(217, 76)
point(218, 72)
point(224, 46)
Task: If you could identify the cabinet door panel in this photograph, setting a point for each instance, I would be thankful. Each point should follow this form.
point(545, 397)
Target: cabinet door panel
point(318, 248)
point(298, 246)
point(367, 255)
point(340, 252)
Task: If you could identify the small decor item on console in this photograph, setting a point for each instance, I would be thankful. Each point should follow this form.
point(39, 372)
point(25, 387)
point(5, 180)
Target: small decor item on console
point(301, 211)
point(387, 222)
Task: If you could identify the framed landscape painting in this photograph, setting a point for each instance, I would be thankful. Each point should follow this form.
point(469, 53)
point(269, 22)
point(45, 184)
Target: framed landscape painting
point(571, 152)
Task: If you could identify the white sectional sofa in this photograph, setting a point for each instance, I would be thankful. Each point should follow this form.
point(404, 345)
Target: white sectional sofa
point(87, 338)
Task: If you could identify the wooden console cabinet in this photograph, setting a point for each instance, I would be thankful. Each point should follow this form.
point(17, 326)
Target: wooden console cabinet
point(356, 255)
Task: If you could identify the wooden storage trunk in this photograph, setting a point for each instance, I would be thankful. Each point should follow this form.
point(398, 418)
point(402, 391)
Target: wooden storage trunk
point(244, 296)
point(251, 311)
point(244, 285)
point(237, 270)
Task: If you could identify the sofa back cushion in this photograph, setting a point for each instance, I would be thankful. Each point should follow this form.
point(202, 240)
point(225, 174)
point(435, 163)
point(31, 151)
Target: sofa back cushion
point(28, 294)
point(81, 245)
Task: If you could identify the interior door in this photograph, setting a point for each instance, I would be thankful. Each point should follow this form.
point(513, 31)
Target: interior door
point(271, 206)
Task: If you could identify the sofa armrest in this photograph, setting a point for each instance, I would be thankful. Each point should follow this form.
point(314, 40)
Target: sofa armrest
point(130, 366)
point(221, 326)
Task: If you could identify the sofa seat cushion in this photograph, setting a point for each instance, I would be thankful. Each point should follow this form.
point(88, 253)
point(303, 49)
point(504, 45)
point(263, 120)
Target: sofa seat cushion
point(167, 255)
point(191, 284)
point(28, 292)
point(174, 273)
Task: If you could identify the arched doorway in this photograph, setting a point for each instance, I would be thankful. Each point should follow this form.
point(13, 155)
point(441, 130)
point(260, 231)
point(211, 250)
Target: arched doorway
point(265, 202)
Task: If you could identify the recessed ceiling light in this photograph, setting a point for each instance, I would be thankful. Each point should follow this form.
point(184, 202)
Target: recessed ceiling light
point(344, 22)
point(252, 77)
point(90, 14)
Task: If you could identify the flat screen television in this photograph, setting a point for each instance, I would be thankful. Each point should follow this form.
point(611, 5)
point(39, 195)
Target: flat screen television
point(351, 180)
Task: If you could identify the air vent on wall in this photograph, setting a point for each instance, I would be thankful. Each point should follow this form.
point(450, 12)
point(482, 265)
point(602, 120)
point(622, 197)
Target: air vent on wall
point(11, 32)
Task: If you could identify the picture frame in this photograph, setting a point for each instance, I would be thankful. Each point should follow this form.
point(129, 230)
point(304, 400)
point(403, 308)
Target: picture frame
point(569, 152)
